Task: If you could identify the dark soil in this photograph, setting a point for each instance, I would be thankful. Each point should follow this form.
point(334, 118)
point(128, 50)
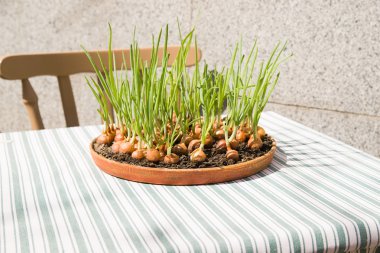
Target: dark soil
point(214, 158)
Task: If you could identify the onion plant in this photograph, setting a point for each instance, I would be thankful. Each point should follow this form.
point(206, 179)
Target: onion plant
point(165, 112)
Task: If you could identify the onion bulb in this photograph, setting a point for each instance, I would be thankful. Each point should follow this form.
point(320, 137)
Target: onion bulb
point(171, 159)
point(119, 136)
point(234, 144)
point(115, 147)
point(209, 141)
point(180, 149)
point(187, 139)
point(197, 131)
point(255, 143)
point(241, 136)
point(194, 144)
point(221, 145)
point(138, 154)
point(260, 132)
point(126, 147)
point(232, 154)
point(219, 134)
point(152, 155)
point(198, 155)
point(104, 139)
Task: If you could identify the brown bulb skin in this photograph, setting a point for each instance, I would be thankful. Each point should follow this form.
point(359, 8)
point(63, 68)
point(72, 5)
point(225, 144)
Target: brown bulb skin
point(126, 147)
point(198, 155)
point(219, 134)
point(115, 147)
point(241, 136)
point(187, 139)
point(246, 129)
point(171, 159)
point(234, 144)
point(162, 155)
point(138, 154)
point(180, 149)
point(104, 139)
point(152, 155)
point(209, 141)
point(119, 137)
point(232, 154)
point(162, 148)
point(260, 132)
point(194, 144)
point(197, 131)
point(221, 145)
point(112, 128)
point(111, 132)
point(255, 144)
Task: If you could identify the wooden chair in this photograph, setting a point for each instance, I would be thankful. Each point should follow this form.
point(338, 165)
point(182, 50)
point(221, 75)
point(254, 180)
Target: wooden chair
point(62, 65)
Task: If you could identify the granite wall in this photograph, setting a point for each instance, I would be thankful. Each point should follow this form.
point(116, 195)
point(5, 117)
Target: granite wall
point(332, 84)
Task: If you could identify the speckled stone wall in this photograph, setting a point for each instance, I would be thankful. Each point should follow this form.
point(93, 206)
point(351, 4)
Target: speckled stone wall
point(332, 84)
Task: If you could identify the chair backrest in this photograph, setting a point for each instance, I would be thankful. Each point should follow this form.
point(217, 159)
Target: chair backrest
point(62, 65)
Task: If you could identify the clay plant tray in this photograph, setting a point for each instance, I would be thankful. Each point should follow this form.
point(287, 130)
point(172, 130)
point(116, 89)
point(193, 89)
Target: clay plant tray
point(186, 176)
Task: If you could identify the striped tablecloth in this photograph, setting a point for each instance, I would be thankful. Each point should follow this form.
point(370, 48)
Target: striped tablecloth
point(318, 195)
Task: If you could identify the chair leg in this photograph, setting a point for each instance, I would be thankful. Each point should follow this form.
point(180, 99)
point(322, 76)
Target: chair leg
point(68, 102)
point(30, 101)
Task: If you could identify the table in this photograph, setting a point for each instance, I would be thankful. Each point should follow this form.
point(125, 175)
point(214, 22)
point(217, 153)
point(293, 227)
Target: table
point(318, 195)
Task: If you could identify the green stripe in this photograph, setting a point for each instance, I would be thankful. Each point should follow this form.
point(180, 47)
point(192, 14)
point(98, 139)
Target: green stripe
point(306, 203)
point(361, 225)
point(159, 233)
point(200, 234)
point(330, 202)
point(41, 200)
point(358, 207)
point(120, 181)
point(4, 245)
point(66, 199)
point(288, 128)
point(199, 216)
point(19, 207)
point(185, 231)
point(85, 194)
point(224, 217)
point(146, 215)
point(272, 215)
point(339, 227)
point(109, 193)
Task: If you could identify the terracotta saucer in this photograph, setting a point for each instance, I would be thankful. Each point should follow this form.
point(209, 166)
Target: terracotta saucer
point(182, 176)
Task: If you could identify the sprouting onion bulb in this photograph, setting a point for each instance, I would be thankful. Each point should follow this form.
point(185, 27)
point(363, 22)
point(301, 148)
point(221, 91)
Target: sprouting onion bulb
point(219, 134)
point(171, 159)
point(180, 149)
point(241, 136)
point(255, 142)
point(152, 155)
point(138, 154)
point(126, 147)
point(165, 112)
point(116, 147)
point(260, 132)
point(198, 155)
point(194, 144)
point(221, 145)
